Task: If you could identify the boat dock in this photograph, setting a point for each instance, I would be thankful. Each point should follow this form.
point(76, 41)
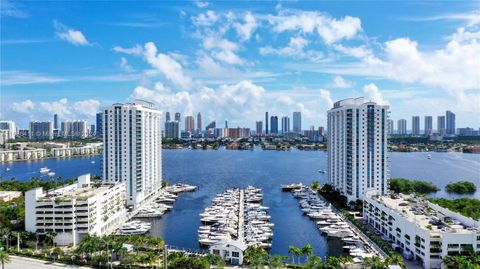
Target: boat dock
point(241, 212)
point(154, 206)
point(236, 214)
point(333, 224)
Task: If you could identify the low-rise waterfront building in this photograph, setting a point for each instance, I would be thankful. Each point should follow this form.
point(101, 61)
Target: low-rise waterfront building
point(422, 230)
point(230, 251)
point(27, 154)
point(74, 211)
point(91, 149)
point(6, 196)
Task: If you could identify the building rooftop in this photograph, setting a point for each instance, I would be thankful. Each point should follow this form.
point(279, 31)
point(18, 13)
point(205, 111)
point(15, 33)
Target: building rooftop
point(83, 189)
point(418, 211)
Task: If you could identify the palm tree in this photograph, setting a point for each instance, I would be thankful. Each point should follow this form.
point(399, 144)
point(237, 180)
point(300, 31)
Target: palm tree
point(313, 262)
point(295, 252)
point(395, 259)
point(275, 261)
point(374, 263)
point(4, 258)
point(255, 257)
point(452, 262)
point(332, 262)
point(49, 238)
point(307, 250)
point(344, 260)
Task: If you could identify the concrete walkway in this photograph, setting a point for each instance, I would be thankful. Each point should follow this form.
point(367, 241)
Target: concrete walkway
point(29, 263)
point(241, 216)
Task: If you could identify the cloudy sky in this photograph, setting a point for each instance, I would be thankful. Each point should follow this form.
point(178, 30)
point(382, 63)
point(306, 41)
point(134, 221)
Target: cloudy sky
point(235, 60)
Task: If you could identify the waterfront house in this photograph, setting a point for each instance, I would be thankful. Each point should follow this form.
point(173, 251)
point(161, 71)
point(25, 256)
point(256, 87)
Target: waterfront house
point(231, 251)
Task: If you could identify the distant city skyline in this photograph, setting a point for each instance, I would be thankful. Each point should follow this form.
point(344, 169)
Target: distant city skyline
point(232, 61)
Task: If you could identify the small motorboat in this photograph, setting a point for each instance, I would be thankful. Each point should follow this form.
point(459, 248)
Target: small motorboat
point(429, 156)
point(323, 171)
point(44, 170)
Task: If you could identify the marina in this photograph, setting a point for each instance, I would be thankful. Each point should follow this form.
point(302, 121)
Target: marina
point(154, 209)
point(236, 215)
point(180, 225)
point(164, 201)
point(330, 223)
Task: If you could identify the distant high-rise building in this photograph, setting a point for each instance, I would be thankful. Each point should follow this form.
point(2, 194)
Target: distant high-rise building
point(9, 126)
point(167, 116)
point(74, 129)
point(55, 122)
point(416, 125)
point(297, 122)
point(41, 130)
point(189, 124)
point(99, 125)
point(285, 125)
point(357, 148)
point(259, 125)
point(210, 129)
point(428, 125)
point(389, 126)
point(402, 127)
point(172, 129)
point(92, 130)
point(226, 124)
point(132, 148)
point(441, 129)
point(320, 131)
point(199, 123)
point(274, 125)
point(450, 117)
point(266, 122)
point(177, 117)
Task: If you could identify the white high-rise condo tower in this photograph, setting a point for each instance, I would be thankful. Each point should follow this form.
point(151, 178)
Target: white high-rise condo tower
point(132, 152)
point(357, 147)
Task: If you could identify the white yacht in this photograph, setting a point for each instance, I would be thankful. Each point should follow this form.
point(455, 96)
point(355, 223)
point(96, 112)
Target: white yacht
point(44, 170)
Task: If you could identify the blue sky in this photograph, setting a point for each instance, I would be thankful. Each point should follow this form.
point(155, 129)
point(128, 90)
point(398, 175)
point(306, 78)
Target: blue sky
point(235, 60)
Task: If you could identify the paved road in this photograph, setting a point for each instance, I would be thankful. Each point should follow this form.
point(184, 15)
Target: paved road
point(27, 263)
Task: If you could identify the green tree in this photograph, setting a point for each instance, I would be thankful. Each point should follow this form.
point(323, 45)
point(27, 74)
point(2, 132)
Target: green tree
point(307, 250)
point(56, 253)
point(127, 259)
point(315, 185)
point(4, 258)
point(313, 262)
point(374, 263)
point(332, 262)
point(345, 260)
point(255, 257)
point(275, 261)
point(295, 252)
point(393, 259)
point(215, 260)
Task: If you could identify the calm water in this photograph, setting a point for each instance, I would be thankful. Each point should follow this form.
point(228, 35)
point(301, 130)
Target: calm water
point(215, 171)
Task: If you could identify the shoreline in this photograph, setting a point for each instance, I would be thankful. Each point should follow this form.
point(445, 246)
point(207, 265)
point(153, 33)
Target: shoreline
point(52, 157)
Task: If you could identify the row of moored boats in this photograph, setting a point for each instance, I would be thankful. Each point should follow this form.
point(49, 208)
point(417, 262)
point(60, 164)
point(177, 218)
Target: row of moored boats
point(331, 223)
point(236, 214)
point(157, 208)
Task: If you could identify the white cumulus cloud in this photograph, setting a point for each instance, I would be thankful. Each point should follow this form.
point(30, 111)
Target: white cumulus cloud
point(373, 94)
point(24, 107)
point(70, 35)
